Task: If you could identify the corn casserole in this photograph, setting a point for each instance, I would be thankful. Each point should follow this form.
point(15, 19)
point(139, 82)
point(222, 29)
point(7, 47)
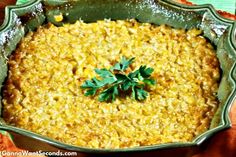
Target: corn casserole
point(42, 92)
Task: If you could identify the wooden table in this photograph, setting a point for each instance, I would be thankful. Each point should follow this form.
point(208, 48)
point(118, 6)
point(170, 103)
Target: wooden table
point(221, 145)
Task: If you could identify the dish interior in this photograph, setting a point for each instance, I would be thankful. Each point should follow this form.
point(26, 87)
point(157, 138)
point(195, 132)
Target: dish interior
point(43, 91)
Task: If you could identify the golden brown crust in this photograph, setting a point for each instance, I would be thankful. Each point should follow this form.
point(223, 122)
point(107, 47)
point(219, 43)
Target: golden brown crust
point(43, 91)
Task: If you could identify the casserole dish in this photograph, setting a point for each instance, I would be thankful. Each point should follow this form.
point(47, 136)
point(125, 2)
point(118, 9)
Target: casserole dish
point(221, 32)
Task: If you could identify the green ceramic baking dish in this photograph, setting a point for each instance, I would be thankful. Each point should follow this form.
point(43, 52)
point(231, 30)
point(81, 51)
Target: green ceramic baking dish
point(220, 31)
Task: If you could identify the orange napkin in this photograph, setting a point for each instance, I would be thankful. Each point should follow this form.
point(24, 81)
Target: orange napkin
point(7, 145)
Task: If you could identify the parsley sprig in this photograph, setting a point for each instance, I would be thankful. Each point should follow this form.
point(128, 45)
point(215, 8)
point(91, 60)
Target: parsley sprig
point(114, 81)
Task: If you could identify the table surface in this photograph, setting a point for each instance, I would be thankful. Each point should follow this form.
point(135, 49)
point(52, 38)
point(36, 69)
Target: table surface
point(226, 5)
point(221, 145)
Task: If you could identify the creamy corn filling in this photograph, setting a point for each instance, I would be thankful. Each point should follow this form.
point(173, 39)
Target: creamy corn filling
point(42, 93)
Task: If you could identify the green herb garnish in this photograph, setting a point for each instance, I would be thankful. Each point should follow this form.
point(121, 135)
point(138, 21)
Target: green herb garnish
point(114, 81)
